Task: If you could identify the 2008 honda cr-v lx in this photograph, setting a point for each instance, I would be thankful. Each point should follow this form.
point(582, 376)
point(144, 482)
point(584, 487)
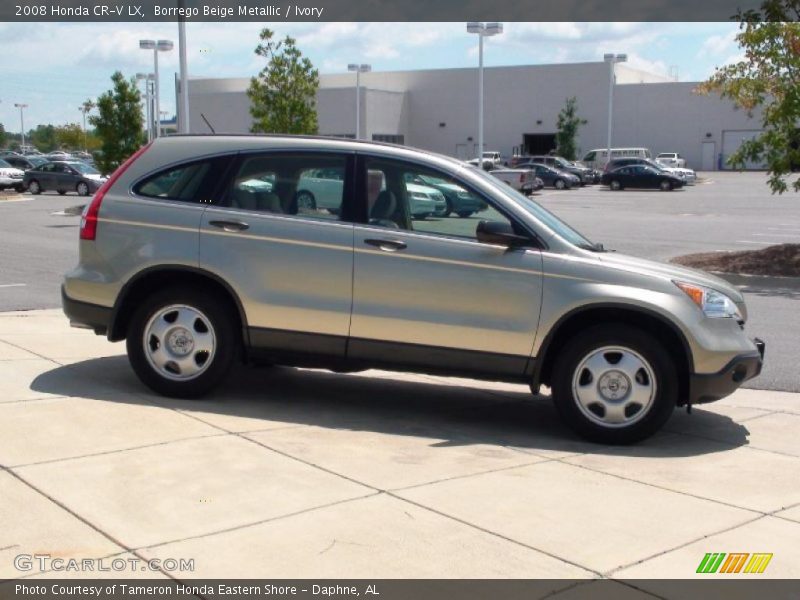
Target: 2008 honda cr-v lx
point(201, 251)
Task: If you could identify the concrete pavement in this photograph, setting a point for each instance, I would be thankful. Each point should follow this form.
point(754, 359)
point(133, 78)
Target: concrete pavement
point(299, 473)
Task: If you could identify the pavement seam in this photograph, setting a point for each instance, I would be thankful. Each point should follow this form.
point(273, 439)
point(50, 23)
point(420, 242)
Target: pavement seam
point(468, 475)
point(684, 545)
point(79, 517)
point(117, 451)
point(495, 534)
point(372, 494)
point(733, 444)
point(9, 402)
point(442, 514)
point(666, 489)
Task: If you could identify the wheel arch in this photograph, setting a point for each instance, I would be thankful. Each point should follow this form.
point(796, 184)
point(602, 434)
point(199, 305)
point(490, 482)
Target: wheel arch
point(138, 286)
point(650, 321)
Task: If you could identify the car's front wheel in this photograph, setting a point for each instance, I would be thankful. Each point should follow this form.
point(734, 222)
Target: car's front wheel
point(182, 343)
point(615, 384)
point(82, 189)
point(34, 187)
point(560, 184)
point(665, 186)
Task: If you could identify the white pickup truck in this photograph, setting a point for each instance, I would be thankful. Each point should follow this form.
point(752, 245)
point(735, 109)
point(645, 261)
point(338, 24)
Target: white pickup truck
point(522, 180)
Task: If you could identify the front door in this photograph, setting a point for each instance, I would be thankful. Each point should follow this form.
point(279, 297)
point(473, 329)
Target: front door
point(286, 249)
point(426, 293)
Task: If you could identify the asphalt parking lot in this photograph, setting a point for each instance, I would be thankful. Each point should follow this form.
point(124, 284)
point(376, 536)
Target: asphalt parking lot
point(302, 474)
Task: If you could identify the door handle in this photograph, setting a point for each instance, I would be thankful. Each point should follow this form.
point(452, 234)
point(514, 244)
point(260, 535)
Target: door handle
point(230, 226)
point(387, 245)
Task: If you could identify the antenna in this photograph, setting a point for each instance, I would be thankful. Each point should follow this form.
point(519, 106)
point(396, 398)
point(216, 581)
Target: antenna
point(207, 123)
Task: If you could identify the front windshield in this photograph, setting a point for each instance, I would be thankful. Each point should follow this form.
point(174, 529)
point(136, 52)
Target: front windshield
point(84, 168)
point(537, 210)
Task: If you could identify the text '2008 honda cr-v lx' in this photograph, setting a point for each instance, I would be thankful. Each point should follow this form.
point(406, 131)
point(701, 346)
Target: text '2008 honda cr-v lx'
point(201, 251)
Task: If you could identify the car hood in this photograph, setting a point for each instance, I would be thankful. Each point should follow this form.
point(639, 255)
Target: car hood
point(671, 271)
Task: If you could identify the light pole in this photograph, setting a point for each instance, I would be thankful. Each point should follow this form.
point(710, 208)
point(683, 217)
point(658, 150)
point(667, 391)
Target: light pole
point(148, 101)
point(359, 69)
point(21, 108)
point(183, 111)
point(611, 59)
point(156, 47)
point(483, 30)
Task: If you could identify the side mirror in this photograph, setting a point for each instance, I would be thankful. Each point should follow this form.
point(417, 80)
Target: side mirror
point(494, 232)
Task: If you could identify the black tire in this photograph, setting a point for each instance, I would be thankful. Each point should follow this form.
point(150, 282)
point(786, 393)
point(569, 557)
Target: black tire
point(62, 192)
point(615, 185)
point(465, 214)
point(665, 186)
point(82, 188)
point(223, 325)
point(664, 381)
point(560, 184)
point(19, 188)
point(34, 187)
point(449, 210)
point(305, 200)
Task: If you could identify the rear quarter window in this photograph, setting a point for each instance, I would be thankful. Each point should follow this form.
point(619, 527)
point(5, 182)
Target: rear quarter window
point(191, 182)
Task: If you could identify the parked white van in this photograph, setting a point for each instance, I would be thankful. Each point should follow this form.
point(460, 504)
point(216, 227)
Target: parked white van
point(598, 158)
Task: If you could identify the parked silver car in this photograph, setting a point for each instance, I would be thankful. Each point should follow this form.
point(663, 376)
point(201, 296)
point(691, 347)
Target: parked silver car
point(197, 271)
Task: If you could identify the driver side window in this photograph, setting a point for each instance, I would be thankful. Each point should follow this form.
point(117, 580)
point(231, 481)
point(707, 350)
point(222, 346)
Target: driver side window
point(406, 196)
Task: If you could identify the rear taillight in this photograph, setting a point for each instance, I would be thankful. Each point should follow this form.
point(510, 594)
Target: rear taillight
point(92, 212)
point(522, 177)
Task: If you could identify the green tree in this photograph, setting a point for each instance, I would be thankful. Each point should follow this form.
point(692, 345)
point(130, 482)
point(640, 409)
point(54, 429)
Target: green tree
point(568, 124)
point(69, 136)
point(2, 135)
point(283, 96)
point(767, 77)
point(119, 123)
point(43, 137)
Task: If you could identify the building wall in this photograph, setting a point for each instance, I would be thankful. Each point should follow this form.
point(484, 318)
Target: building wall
point(438, 109)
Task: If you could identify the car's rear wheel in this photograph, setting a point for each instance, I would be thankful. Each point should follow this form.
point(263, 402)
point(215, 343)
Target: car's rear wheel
point(306, 201)
point(559, 184)
point(449, 210)
point(615, 185)
point(182, 343)
point(34, 187)
point(465, 214)
point(61, 192)
point(665, 186)
point(82, 188)
point(614, 384)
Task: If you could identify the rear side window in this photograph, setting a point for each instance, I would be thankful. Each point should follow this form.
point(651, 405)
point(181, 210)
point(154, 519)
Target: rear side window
point(309, 185)
point(192, 182)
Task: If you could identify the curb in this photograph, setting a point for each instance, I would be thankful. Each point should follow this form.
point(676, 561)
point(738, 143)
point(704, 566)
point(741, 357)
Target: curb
point(755, 282)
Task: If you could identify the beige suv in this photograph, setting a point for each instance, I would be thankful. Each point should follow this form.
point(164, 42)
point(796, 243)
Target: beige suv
point(199, 251)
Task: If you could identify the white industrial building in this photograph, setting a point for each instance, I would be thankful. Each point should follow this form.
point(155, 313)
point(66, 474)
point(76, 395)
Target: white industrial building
point(438, 110)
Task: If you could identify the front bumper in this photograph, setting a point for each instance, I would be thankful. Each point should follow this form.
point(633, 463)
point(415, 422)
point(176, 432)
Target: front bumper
point(86, 316)
point(709, 388)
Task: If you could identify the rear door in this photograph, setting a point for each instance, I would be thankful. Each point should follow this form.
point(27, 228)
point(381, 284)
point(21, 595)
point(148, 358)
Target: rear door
point(286, 248)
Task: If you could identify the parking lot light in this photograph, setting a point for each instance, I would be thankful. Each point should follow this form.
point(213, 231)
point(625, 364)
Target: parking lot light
point(482, 30)
point(156, 47)
point(21, 108)
point(359, 69)
point(148, 79)
point(611, 59)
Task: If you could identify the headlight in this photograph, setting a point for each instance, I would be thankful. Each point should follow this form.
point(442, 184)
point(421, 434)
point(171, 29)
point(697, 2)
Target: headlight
point(419, 196)
point(714, 304)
